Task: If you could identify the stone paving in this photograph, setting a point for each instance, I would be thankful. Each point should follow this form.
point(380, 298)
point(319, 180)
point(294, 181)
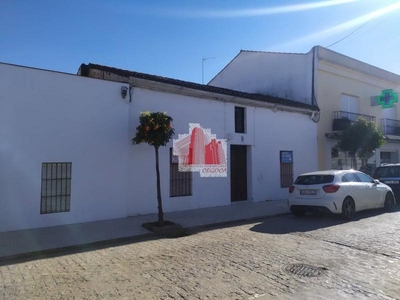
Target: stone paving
point(360, 259)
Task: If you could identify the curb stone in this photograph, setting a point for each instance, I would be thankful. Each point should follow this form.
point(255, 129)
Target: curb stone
point(124, 240)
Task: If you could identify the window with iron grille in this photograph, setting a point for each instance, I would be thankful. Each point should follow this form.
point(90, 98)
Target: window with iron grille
point(239, 119)
point(56, 187)
point(180, 183)
point(286, 160)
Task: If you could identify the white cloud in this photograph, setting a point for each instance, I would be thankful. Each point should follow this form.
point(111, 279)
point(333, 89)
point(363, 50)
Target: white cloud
point(255, 12)
point(314, 38)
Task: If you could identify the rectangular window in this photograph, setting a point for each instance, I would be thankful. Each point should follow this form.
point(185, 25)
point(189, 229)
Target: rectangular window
point(349, 104)
point(239, 119)
point(286, 160)
point(314, 179)
point(56, 188)
point(180, 183)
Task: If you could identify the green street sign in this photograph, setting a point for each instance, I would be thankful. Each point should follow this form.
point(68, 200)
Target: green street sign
point(387, 98)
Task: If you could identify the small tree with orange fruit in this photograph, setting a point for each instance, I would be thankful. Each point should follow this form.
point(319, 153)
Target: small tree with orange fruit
point(156, 130)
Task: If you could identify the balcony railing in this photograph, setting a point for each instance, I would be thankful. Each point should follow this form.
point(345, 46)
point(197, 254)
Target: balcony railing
point(343, 119)
point(390, 126)
point(351, 116)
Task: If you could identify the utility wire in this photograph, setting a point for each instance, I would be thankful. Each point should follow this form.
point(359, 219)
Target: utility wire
point(357, 36)
point(355, 30)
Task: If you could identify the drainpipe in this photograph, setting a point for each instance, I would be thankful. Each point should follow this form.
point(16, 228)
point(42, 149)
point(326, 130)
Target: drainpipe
point(313, 99)
point(130, 93)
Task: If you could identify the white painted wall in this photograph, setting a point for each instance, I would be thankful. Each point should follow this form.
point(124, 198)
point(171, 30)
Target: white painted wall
point(54, 117)
point(274, 133)
point(284, 75)
point(184, 110)
point(267, 133)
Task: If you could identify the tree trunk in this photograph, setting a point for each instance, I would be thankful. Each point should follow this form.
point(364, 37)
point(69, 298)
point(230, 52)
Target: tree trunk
point(160, 209)
point(354, 161)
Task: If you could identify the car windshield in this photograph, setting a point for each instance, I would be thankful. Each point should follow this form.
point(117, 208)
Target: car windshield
point(314, 179)
point(387, 172)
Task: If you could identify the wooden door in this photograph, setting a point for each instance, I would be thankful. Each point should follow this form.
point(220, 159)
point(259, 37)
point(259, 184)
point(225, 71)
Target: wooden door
point(238, 168)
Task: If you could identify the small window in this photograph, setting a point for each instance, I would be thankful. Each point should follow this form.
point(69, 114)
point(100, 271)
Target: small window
point(314, 179)
point(180, 182)
point(349, 178)
point(387, 172)
point(239, 119)
point(364, 177)
point(56, 188)
point(286, 159)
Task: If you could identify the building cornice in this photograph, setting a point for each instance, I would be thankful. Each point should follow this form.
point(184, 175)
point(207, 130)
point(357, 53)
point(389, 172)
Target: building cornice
point(174, 89)
point(335, 58)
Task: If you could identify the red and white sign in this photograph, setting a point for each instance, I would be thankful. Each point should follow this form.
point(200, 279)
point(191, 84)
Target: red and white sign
point(200, 151)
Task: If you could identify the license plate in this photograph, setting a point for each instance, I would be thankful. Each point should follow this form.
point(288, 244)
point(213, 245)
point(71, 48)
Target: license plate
point(392, 182)
point(308, 192)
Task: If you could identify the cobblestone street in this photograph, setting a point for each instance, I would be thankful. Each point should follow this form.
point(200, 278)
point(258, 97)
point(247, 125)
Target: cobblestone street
point(360, 259)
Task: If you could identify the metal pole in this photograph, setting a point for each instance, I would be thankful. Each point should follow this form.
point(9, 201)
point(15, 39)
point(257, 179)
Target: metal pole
point(202, 67)
point(202, 70)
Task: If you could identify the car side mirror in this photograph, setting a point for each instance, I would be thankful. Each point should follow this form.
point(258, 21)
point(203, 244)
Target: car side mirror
point(376, 181)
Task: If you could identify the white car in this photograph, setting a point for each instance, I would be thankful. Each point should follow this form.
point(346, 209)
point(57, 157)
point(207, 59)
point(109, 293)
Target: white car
point(340, 192)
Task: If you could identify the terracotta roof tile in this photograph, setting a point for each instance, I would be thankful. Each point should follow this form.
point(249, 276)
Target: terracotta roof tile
point(208, 88)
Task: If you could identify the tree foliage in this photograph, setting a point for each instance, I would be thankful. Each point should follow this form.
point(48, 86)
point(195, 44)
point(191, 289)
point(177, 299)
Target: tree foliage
point(361, 139)
point(156, 130)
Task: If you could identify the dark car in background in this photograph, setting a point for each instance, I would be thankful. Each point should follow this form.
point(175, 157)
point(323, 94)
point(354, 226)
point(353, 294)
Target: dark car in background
point(389, 174)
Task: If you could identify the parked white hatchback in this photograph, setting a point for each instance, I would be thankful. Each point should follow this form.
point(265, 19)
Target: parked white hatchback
point(340, 192)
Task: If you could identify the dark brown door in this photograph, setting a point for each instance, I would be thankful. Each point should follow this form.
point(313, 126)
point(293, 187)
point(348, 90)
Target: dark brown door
point(238, 173)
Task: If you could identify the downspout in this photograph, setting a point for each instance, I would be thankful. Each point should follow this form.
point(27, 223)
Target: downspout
point(313, 99)
point(315, 115)
point(130, 91)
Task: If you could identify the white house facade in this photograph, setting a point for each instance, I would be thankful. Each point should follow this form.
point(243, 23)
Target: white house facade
point(67, 157)
point(342, 87)
point(78, 127)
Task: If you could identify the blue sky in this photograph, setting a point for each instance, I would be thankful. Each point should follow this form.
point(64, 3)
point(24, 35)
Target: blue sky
point(171, 38)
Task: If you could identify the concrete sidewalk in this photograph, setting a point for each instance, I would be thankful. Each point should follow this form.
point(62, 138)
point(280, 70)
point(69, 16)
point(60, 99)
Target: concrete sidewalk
point(16, 243)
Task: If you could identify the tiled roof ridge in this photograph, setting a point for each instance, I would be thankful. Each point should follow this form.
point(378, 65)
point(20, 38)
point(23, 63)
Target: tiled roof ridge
point(197, 86)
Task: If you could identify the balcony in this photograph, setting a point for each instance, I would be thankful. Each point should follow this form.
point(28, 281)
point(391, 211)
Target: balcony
point(390, 126)
point(343, 119)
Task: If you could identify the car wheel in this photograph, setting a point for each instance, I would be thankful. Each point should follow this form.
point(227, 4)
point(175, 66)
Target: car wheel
point(389, 202)
point(348, 208)
point(298, 212)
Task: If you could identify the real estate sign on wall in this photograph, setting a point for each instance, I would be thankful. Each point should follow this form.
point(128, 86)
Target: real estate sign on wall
point(201, 151)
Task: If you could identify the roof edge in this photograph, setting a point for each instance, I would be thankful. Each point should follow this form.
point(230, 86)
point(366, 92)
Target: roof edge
point(223, 69)
point(366, 72)
point(125, 75)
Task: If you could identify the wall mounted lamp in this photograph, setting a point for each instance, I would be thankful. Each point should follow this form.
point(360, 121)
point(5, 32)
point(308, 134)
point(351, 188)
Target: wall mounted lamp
point(124, 91)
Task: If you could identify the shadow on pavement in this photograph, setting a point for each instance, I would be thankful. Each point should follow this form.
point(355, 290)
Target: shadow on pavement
point(271, 224)
point(70, 250)
point(310, 222)
point(21, 258)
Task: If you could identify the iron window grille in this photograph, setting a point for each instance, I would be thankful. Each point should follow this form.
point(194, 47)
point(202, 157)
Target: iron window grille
point(180, 183)
point(390, 126)
point(56, 188)
point(239, 119)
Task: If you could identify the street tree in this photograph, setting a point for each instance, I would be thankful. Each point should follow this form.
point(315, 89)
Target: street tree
point(360, 139)
point(155, 129)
